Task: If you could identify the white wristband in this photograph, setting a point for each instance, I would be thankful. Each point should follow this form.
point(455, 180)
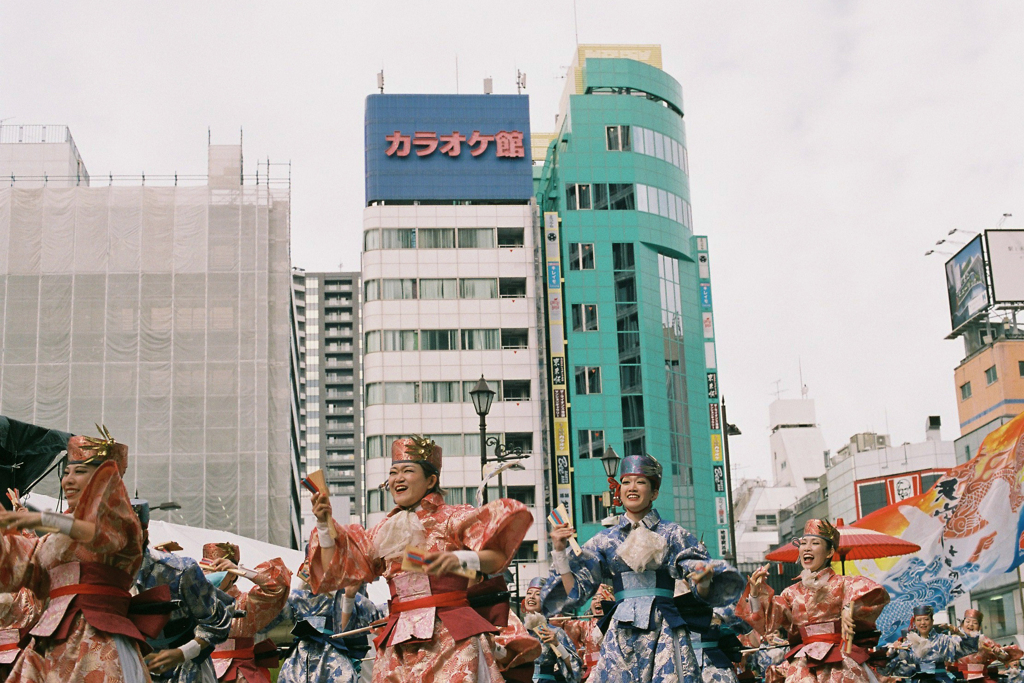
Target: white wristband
point(61, 523)
point(755, 603)
point(191, 650)
point(323, 532)
point(468, 559)
point(560, 561)
point(348, 604)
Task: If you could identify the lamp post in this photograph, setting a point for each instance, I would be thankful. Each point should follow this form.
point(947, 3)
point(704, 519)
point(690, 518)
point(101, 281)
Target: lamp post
point(610, 460)
point(169, 505)
point(729, 430)
point(482, 396)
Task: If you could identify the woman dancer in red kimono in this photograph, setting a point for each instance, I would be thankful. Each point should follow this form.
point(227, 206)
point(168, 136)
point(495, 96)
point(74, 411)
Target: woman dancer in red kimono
point(85, 632)
point(824, 608)
point(240, 658)
point(432, 633)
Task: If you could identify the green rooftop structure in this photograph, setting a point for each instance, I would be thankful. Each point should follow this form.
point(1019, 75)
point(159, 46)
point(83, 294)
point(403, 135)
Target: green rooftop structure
point(634, 292)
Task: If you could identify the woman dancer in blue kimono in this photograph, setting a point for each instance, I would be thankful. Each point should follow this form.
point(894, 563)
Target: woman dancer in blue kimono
point(317, 657)
point(644, 556)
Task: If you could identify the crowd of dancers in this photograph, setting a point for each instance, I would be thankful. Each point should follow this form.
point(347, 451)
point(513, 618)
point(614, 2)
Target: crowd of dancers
point(85, 598)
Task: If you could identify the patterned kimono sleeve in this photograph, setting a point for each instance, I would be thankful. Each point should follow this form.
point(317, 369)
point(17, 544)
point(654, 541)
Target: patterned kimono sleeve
point(265, 600)
point(212, 616)
point(1011, 653)
point(499, 525)
point(687, 556)
point(353, 563)
point(588, 571)
point(106, 504)
point(766, 613)
point(18, 565)
point(571, 668)
point(901, 663)
point(514, 646)
point(364, 613)
point(867, 597)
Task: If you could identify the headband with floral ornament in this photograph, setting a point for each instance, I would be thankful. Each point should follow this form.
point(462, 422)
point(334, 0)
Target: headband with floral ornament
point(416, 449)
point(644, 465)
point(216, 551)
point(820, 528)
point(88, 450)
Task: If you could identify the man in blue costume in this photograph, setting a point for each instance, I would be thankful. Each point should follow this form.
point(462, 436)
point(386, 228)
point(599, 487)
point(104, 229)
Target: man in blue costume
point(643, 555)
point(201, 620)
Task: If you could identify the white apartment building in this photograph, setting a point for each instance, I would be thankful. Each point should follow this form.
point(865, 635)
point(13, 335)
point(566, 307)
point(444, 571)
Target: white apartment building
point(450, 295)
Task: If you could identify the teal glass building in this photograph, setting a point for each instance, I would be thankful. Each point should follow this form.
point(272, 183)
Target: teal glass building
point(640, 360)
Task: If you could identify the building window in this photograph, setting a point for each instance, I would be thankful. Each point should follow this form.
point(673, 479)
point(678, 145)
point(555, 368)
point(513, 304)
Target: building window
point(371, 240)
point(440, 392)
point(476, 238)
point(374, 446)
point(399, 340)
point(581, 256)
point(588, 380)
point(617, 138)
point(436, 238)
point(511, 238)
point(653, 200)
point(446, 288)
point(621, 197)
point(492, 384)
point(1020, 367)
point(481, 340)
point(928, 480)
point(584, 317)
point(478, 288)
point(592, 509)
point(999, 613)
point(439, 340)
point(515, 338)
point(577, 196)
point(515, 390)
point(401, 392)
point(965, 391)
point(398, 238)
point(372, 341)
point(991, 376)
point(524, 442)
point(527, 552)
point(872, 497)
point(633, 413)
point(512, 287)
point(524, 494)
point(397, 289)
point(374, 394)
point(591, 443)
point(768, 520)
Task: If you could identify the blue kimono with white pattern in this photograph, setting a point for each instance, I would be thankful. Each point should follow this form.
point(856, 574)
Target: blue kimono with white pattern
point(646, 639)
point(930, 657)
point(550, 667)
point(318, 658)
point(201, 614)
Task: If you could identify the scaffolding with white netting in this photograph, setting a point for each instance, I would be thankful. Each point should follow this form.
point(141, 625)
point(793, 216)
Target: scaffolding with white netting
point(161, 312)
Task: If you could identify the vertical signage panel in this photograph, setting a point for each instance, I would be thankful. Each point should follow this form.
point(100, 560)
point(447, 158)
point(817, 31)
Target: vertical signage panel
point(556, 351)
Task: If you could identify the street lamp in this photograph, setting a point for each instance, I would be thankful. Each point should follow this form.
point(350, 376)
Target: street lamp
point(482, 396)
point(610, 460)
point(730, 430)
point(169, 505)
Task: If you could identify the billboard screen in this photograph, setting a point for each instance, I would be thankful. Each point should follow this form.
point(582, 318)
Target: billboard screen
point(1006, 260)
point(966, 283)
point(448, 147)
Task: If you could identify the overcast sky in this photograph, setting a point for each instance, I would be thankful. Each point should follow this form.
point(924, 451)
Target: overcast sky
point(831, 144)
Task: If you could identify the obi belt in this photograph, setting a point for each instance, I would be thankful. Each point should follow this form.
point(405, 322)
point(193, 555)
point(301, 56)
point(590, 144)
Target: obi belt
point(465, 611)
point(245, 656)
point(971, 672)
point(822, 643)
point(638, 595)
point(100, 593)
point(10, 645)
point(319, 630)
point(547, 672)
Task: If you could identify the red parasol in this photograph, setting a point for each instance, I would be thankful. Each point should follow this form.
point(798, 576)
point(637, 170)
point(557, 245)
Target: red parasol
point(855, 543)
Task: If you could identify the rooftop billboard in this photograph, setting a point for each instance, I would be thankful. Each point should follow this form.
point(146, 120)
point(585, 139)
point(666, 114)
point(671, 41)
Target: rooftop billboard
point(448, 147)
point(966, 283)
point(1006, 260)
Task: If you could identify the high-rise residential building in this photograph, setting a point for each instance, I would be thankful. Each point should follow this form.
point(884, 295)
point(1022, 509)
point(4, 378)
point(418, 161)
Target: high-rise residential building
point(450, 270)
point(332, 403)
point(631, 287)
point(160, 310)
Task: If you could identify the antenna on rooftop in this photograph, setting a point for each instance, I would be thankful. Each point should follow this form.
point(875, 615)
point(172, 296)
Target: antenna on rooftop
point(488, 86)
point(998, 225)
point(778, 389)
point(520, 81)
point(380, 80)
